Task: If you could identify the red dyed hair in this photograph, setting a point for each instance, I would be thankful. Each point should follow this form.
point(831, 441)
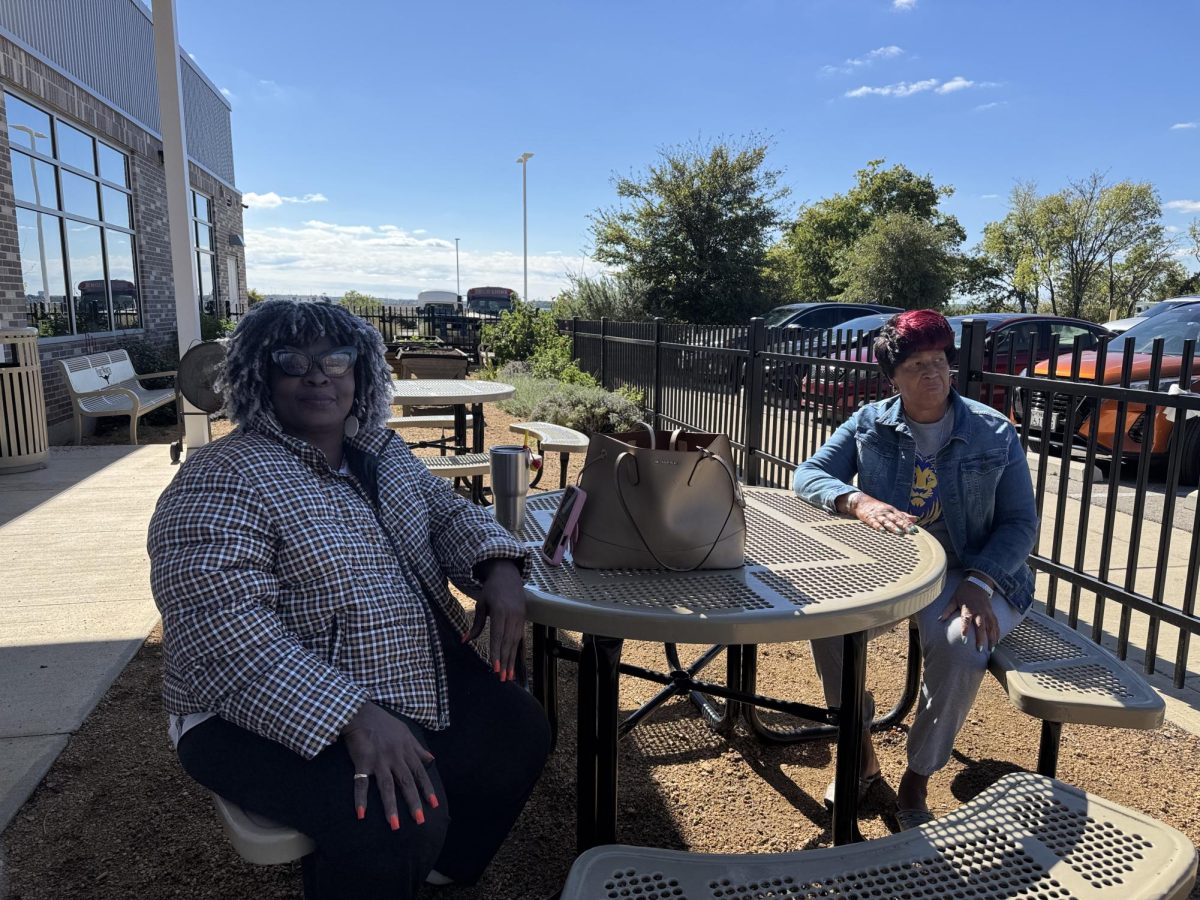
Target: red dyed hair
point(910, 332)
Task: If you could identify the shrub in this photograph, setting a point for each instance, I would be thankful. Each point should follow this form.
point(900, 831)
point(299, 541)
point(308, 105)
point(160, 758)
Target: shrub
point(586, 408)
point(524, 333)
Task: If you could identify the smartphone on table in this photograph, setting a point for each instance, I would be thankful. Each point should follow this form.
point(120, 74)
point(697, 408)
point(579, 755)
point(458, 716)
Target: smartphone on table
point(562, 526)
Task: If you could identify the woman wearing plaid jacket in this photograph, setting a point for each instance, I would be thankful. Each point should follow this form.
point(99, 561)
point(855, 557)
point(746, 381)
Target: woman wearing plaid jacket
point(318, 670)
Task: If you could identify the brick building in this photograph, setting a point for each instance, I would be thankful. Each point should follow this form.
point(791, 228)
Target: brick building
point(84, 250)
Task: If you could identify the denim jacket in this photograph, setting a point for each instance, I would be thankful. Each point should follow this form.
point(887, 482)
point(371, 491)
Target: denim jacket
point(983, 477)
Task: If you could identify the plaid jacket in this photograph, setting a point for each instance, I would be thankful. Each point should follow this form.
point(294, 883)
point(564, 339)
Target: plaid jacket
point(287, 602)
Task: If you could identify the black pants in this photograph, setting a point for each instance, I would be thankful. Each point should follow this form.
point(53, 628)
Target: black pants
point(485, 766)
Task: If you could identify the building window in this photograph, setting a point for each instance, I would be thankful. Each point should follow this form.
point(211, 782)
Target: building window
point(206, 268)
point(74, 225)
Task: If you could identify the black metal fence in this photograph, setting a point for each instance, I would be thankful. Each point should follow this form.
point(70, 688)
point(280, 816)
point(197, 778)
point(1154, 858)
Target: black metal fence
point(1119, 548)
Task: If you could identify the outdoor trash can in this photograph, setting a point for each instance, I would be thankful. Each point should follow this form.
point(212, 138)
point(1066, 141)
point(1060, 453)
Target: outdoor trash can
point(23, 444)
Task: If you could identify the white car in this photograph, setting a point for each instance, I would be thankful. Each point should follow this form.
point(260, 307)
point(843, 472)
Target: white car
point(1119, 326)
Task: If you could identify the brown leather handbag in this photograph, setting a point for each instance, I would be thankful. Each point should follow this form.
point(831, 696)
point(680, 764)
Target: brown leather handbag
point(660, 500)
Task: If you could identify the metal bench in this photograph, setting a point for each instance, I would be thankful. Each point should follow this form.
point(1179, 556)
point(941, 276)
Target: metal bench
point(464, 465)
point(1055, 674)
point(104, 384)
point(1025, 836)
point(257, 839)
point(553, 438)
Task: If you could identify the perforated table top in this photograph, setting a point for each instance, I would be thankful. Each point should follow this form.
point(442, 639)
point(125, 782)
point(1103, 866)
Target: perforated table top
point(807, 575)
point(444, 391)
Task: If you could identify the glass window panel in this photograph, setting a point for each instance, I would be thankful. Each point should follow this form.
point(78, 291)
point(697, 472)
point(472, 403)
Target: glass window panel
point(112, 164)
point(122, 278)
point(33, 180)
point(203, 208)
point(116, 206)
point(203, 236)
point(87, 277)
point(28, 126)
point(76, 148)
point(40, 247)
point(79, 195)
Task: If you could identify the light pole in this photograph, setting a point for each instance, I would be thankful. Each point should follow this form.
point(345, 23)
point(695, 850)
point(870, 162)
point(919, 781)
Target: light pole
point(37, 198)
point(523, 159)
point(457, 280)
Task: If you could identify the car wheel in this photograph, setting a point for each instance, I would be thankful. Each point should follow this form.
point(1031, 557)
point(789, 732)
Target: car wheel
point(1189, 464)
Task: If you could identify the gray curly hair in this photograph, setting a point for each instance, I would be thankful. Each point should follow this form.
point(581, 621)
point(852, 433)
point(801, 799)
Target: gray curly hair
point(274, 323)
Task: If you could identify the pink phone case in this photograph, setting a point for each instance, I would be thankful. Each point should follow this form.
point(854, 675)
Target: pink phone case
point(570, 527)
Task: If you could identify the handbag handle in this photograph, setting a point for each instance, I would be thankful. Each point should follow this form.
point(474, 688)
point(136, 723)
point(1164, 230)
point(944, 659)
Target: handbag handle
point(734, 501)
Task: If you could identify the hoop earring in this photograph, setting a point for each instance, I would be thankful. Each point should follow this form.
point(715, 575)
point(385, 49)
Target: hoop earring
point(350, 426)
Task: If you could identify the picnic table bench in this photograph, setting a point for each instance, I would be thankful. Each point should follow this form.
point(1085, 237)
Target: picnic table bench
point(105, 384)
point(1025, 836)
point(553, 438)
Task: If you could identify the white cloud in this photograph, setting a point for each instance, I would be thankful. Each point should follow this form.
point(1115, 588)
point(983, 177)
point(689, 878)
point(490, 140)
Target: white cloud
point(1180, 126)
point(879, 53)
point(904, 5)
point(957, 83)
point(984, 107)
point(899, 89)
point(908, 88)
point(229, 95)
point(989, 196)
point(1184, 206)
point(270, 200)
point(320, 257)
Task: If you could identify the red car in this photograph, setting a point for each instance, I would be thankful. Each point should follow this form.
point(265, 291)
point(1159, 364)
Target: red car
point(1009, 347)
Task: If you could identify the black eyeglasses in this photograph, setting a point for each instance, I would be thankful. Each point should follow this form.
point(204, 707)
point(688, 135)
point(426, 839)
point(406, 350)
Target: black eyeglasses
point(334, 363)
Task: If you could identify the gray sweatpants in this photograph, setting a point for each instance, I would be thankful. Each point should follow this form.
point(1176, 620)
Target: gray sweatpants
point(951, 677)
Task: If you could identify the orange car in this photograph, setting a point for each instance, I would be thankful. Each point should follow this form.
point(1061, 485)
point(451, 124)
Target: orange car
point(1099, 417)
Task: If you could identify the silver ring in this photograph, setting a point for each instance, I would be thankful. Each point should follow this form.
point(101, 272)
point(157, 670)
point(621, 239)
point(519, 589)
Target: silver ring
point(358, 775)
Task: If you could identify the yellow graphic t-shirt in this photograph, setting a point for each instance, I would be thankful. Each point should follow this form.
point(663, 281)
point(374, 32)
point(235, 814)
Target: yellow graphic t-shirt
point(923, 500)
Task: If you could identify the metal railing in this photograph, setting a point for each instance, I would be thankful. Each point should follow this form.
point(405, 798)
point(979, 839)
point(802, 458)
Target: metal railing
point(780, 393)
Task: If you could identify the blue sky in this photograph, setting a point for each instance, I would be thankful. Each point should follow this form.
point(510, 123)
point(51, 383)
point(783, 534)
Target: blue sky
point(369, 135)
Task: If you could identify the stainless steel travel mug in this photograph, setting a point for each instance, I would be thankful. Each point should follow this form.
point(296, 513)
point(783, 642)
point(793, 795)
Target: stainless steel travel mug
point(510, 484)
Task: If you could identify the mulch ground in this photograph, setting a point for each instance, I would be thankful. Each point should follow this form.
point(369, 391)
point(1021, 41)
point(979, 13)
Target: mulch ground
point(117, 818)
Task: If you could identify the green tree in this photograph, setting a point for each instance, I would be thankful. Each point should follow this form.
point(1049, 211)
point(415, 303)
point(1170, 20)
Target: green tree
point(1002, 274)
point(620, 297)
point(253, 296)
point(358, 303)
point(809, 259)
point(900, 260)
point(694, 229)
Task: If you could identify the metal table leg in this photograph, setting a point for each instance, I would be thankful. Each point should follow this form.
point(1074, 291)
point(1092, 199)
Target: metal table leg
point(849, 743)
point(596, 821)
point(545, 676)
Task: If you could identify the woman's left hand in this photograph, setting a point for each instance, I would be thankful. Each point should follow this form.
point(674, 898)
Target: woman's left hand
point(503, 598)
point(976, 609)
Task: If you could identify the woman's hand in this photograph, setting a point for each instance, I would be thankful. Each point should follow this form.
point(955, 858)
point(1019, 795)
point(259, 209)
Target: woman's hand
point(503, 599)
point(976, 608)
point(383, 747)
point(879, 515)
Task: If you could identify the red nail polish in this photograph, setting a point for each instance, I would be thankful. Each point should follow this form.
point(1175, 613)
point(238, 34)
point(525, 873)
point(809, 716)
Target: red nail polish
point(419, 816)
point(512, 674)
point(394, 821)
point(502, 674)
point(433, 801)
point(361, 810)
point(496, 666)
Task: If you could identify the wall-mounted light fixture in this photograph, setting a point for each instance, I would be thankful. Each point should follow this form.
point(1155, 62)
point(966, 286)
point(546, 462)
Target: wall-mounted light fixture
point(235, 240)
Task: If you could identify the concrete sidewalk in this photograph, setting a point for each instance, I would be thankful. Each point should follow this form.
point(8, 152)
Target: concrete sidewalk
point(75, 604)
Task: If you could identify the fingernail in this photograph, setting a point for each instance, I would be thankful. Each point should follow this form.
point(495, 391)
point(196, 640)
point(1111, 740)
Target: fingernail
point(964, 638)
point(361, 810)
point(502, 674)
point(512, 674)
point(433, 801)
point(394, 821)
point(419, 815)
point(496, 666)
point(464, 636)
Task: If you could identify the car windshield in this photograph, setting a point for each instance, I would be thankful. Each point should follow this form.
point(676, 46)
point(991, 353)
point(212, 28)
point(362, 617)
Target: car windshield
point(863, 323)
point(1164, 306)
point(779, 315)
point(1174, 327)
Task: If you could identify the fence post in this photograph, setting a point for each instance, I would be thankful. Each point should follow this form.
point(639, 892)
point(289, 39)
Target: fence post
point(656, 396)
point(574, 337)
point(970, 359)
point(753, 398)
point(604, 352)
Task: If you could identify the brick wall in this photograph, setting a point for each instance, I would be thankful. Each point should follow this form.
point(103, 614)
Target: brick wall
point(47, 88)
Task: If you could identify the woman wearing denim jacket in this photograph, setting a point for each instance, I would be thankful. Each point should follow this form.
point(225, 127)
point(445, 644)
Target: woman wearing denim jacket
point(931, 458)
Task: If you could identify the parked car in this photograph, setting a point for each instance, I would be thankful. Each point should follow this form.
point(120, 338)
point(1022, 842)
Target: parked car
point(1174, 326)
point(1120, 326)
point(1012, 343)
point(788, 377)
point(723, 368)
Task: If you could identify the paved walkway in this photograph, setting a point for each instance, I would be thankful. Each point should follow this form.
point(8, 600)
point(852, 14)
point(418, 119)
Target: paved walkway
point(76, 605)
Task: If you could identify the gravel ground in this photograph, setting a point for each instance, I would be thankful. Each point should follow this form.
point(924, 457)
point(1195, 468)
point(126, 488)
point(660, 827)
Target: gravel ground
point(117, 818)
